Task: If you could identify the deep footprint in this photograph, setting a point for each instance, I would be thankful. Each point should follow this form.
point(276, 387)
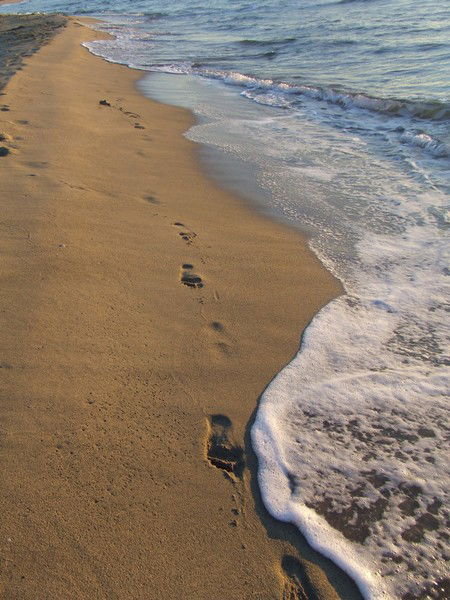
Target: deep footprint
point(186, 235)
point(222, 453)
point(189, 278)
point(297, 586)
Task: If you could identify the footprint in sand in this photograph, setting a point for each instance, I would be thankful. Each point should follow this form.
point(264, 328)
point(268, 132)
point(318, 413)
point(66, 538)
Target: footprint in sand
point(186, 234)
point(189, 278)
point(130, 114)
point(221, 451)
point(127, 113)
point(151, 199)
point(296, 583)
point(222, 346)
point(217, 326)
point(35, 164)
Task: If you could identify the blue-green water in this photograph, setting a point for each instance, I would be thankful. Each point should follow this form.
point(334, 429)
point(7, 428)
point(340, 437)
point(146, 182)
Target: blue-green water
point(379, 48)
point(337, 114)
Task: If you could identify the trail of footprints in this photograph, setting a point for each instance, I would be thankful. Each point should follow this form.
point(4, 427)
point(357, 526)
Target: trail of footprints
point(187, 276)
point(223, 453)
point(221, 450)
point(127, 113)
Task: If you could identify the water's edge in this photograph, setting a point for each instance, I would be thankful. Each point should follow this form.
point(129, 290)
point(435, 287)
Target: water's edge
point(352, 401)
point(229, 174)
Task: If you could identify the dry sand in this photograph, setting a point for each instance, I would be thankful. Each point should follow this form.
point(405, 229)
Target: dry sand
point(111, 367)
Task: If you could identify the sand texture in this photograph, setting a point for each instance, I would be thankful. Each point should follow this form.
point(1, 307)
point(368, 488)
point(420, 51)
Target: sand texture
point(143, 311)
point(21, 36)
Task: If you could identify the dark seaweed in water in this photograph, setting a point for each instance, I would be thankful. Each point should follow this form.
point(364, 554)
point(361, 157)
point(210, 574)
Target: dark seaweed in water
point(21, 36)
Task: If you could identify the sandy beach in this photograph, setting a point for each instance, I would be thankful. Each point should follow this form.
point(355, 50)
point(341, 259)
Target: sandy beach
point(143, 311)
point(20, 36)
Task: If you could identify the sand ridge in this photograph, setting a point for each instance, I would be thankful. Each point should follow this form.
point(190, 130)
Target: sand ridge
point(143, 311)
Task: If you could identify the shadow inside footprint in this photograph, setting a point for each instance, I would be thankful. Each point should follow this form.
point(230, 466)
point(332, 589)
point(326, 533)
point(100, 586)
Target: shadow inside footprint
point(186, 234)
point(151, 199)
point(297, 586)
point(189, 278)
point(222, 453)
point(36, 164)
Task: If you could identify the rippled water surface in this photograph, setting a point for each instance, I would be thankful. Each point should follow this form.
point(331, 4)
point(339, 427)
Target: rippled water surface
point(340, 110)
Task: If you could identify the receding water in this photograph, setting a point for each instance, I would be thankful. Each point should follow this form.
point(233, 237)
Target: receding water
point(334, 115)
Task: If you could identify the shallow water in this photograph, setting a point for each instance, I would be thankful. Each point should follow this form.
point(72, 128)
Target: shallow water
point(335, 117)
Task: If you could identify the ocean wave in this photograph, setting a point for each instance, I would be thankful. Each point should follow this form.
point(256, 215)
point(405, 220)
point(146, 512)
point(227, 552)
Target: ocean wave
point(347, 432)
point(354, 1)
point(285, 95)
point(427, 142)
point(431, 110)
point(248, 42)
point(152, 16)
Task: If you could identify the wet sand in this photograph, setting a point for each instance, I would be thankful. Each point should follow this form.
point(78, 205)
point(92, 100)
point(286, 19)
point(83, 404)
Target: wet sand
point(143, 310)
point(20, 36)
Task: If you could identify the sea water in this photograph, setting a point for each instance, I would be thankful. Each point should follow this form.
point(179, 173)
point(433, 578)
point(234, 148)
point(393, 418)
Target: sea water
point(334, 116)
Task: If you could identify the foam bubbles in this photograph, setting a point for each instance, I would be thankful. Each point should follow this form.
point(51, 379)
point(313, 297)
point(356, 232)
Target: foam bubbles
point(351, 435)
point(356, 427)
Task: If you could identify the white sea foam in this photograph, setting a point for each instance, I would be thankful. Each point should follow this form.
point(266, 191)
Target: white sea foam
point(356, 427)
point(351, 435)
point(133, 47)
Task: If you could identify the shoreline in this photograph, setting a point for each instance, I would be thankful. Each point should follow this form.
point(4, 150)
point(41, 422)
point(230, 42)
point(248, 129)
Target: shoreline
point(116, 366)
